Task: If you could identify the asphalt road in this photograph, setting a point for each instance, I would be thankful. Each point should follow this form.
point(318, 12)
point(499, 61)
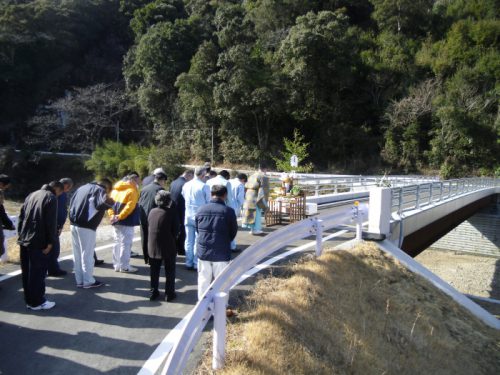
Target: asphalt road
point(113, 329)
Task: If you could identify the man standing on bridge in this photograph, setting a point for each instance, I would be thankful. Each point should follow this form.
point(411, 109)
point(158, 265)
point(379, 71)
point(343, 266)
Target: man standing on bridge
point(37, 230)
point(125, 216)
point(196, 193)
point(62, 214)
point(180, 206)
point(216, 226)
point(87, 208)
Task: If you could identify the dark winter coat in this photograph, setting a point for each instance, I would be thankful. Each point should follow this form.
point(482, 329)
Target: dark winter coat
point(177, 198)
point(216, 226)
point(163, 228)
point(88, 205)
point(147, 200)
point(62, 210)
point(37, 225)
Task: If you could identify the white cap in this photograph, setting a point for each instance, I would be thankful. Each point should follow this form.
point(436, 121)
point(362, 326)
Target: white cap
point(159, 171)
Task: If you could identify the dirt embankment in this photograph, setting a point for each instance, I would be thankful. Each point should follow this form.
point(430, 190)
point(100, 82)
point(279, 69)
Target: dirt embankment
point(356, 312)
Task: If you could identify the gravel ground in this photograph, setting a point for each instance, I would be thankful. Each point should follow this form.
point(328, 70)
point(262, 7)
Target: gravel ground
point(470, 274)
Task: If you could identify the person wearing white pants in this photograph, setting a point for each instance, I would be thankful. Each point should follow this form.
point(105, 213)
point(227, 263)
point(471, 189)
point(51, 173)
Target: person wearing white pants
point(123, 236)
point(86, 210)
point(83, 241)
point(208, 271)
point(124, 216)
point(216, 226)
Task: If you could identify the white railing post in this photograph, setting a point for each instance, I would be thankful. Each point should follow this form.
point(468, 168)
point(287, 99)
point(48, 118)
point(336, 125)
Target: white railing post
point(319, 236)
point(219, 339)
point(379, 215)
point(417, 198)
point(359, 223)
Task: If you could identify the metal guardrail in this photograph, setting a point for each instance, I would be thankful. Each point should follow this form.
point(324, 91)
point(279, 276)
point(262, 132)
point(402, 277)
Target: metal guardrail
point(316, 186)
point(414, 197)
point(214, 300)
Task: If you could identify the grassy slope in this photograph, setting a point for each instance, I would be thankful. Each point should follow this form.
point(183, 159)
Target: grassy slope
point(356, 313)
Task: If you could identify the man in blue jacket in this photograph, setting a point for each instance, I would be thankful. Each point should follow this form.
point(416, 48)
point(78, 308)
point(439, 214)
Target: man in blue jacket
point(216, 226)
point(86, 210)
point(62, 214)
point(180, 206)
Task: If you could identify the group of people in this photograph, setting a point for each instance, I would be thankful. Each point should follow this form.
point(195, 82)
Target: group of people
point(197, 217)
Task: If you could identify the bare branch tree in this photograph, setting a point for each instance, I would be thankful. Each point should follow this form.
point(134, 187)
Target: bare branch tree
point(79, 120)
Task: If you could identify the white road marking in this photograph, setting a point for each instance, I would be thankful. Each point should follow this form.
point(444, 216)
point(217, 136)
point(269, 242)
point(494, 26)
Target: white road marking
point(97, 249)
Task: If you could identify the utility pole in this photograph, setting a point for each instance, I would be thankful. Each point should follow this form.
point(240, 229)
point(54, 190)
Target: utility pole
point(212, 158)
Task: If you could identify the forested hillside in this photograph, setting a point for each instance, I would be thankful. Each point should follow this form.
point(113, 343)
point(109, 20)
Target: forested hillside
point(395, 85)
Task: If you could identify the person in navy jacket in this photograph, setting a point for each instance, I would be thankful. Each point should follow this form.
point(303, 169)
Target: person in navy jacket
point(62, 214)
point(216, 226)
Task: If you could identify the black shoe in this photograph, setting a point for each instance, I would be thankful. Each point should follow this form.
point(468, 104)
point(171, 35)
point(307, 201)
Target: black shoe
point(58, 273)
point(170, 297)
point(154, 294)
point(133, 254)
point(190, 268)
point(96, 284)
point(98, 262)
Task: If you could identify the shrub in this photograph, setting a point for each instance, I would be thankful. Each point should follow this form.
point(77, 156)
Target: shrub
point(114, 160)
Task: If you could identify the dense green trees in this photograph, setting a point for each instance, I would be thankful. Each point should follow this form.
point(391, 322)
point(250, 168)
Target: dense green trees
point(406, 84)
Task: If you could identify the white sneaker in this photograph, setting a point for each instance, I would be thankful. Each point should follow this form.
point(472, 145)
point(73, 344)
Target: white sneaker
point(256, 232)
point(47, 305)
point(130, 269)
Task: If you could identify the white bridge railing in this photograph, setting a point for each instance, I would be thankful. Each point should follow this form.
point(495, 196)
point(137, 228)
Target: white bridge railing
point(415, 197)
point(317, 186)
point(214, 300)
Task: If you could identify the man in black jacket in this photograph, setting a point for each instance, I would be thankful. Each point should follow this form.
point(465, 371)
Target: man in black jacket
point(86, 210)
point(37, 230)
point(146, 204)
point(180, 206)
point(216, 226)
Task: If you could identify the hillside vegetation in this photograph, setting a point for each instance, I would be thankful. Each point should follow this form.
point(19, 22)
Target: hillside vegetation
point(399, 85)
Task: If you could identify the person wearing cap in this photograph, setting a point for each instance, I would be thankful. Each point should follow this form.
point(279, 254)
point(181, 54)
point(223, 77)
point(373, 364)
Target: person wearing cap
point(196, 193)
point(147, 203)
point(149, 179)
point(180, 206)
point(124, 216)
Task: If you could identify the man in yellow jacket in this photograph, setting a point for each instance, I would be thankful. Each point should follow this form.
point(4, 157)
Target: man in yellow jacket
point(124, 216)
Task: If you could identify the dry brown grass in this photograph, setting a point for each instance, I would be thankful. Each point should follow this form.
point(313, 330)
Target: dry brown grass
point(356, 312)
